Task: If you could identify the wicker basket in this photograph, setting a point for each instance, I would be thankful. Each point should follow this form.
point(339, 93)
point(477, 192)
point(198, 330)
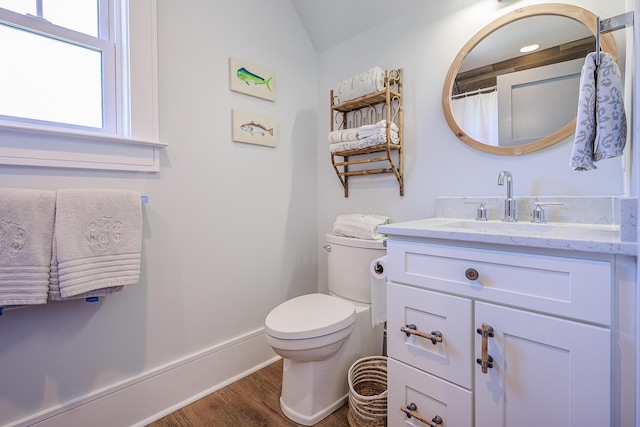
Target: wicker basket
point(368, 392)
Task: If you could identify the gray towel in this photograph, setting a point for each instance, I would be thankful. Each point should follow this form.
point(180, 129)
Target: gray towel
point(601, 124)
point(98, 236)
point(26, 235)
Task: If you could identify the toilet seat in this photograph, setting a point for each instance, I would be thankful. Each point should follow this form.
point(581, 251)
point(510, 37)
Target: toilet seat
point(310, 316)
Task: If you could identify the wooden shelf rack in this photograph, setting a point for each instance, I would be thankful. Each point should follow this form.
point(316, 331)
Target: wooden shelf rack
point(377, 159)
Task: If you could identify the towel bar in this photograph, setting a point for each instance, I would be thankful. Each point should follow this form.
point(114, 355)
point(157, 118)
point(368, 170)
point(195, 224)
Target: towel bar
point(614, 23)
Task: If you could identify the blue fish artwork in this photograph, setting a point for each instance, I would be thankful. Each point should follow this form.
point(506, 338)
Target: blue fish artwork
point(249, 77)
point(256, 128)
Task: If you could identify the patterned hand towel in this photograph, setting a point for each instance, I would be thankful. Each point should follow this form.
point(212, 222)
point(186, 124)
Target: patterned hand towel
point(612, 119)
point(26, 235)
point(601, 125)
point(98, 237)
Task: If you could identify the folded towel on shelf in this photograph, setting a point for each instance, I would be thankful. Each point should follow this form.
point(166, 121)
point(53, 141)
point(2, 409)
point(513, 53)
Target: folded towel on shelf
point(381, 126)
point(601, 124)
point(379, 139)
point(370, 81)
point(360, 226)
point(26, 235)
point(98, 237)
point(344, 135)
point(343, 146)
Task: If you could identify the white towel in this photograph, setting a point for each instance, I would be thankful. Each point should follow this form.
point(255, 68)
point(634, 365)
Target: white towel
point(98, 237)
point(369, 130)
point(379, 139)
point(360, 226)
point(54, 282)
point(344, 135)
point(343, 146)
point(26, 235)
point(370, 81)
point(601, 125)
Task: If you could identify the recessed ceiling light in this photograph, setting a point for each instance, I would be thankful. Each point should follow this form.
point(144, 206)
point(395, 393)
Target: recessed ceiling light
point(530, 48)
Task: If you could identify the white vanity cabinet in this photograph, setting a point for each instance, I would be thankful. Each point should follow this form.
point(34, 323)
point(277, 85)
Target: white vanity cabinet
point(547, 345)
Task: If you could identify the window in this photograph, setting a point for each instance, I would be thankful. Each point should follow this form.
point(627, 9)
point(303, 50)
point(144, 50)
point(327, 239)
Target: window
point(63, 63)
point(69, 76)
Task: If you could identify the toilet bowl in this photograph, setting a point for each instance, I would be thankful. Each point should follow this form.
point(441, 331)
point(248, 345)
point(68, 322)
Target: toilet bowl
point(319, 336)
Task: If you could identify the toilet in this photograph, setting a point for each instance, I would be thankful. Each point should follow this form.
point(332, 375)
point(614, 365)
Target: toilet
point(319, 336)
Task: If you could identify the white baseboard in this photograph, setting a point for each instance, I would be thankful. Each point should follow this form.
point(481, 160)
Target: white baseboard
point(143, 399)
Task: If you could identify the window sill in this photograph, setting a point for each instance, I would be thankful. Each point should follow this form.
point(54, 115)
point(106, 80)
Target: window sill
point(37, 147)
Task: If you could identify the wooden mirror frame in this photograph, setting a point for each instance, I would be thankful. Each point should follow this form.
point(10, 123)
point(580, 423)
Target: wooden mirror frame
point(607, 44)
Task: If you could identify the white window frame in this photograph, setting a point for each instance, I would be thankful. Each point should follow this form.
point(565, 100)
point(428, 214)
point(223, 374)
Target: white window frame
point(133, 144)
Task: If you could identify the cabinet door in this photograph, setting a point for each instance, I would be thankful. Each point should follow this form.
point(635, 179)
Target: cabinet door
point(431, 396)
point(546, 371)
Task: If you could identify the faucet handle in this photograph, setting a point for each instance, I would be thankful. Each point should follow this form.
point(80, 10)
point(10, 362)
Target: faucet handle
point(481, 212)
point(538, 212)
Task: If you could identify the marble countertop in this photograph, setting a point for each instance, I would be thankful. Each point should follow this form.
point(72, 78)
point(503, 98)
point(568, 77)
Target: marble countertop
point(594, 238)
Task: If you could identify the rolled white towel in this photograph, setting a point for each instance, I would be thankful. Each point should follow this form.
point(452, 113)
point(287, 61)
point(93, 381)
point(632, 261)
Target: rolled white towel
point(360, 226)
point(370, 81)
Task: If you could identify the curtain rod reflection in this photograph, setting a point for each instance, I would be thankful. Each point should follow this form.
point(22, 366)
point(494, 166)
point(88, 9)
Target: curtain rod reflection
point(475, 92)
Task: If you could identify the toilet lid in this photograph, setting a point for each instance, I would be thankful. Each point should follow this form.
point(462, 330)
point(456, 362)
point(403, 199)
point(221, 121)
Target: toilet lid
point(309, 316)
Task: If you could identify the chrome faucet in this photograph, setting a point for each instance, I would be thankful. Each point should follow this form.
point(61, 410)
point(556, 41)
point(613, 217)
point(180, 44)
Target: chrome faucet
point(510, 203)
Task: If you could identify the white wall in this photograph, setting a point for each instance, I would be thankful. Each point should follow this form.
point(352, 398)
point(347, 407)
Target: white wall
point(229, 231)
point(423, 43)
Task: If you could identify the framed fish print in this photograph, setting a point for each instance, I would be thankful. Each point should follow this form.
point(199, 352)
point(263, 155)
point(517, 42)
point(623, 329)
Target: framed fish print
point(252, 79)
point(254, 128)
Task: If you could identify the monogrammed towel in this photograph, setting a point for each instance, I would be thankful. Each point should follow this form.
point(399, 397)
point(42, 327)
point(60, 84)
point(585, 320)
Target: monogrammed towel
point(26, 234)
point(98, 238)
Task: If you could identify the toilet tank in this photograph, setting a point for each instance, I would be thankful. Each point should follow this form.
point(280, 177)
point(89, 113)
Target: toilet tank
point(348, 262)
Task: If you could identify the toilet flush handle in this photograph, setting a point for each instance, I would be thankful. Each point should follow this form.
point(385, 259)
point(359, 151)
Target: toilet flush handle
point(327, 248)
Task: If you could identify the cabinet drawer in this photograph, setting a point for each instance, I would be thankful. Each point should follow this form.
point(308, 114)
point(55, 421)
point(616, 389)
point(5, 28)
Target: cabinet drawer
point(569, 287)
point(430, 312)
point(431, 395)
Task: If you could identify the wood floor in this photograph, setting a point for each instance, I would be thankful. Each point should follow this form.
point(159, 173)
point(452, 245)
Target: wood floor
point(251, 401)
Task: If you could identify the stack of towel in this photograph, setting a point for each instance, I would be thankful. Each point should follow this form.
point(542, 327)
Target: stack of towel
point(363, 137)
point(370, 81)
point(601, 123)
point(75, 243)
point(360, 226)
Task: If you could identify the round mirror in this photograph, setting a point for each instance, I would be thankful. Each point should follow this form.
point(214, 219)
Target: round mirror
point(500, 100)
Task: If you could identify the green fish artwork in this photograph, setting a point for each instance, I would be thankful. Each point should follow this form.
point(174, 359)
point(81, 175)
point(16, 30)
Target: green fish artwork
point(249, 77)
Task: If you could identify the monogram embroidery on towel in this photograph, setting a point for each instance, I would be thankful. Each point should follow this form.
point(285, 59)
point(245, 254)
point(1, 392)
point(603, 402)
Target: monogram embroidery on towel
point(103, 233)
point(12, 238)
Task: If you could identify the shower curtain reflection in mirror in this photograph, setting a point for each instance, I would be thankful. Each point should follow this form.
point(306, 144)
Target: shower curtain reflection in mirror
point(478, 116)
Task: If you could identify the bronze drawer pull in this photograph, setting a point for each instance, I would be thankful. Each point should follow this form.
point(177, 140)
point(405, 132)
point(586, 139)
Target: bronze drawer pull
point(471, 274)
point(435, 336)
point(410, 411)
point(486, 361)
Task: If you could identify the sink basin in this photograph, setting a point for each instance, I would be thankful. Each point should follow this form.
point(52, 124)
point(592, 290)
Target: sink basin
point(529, 229)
